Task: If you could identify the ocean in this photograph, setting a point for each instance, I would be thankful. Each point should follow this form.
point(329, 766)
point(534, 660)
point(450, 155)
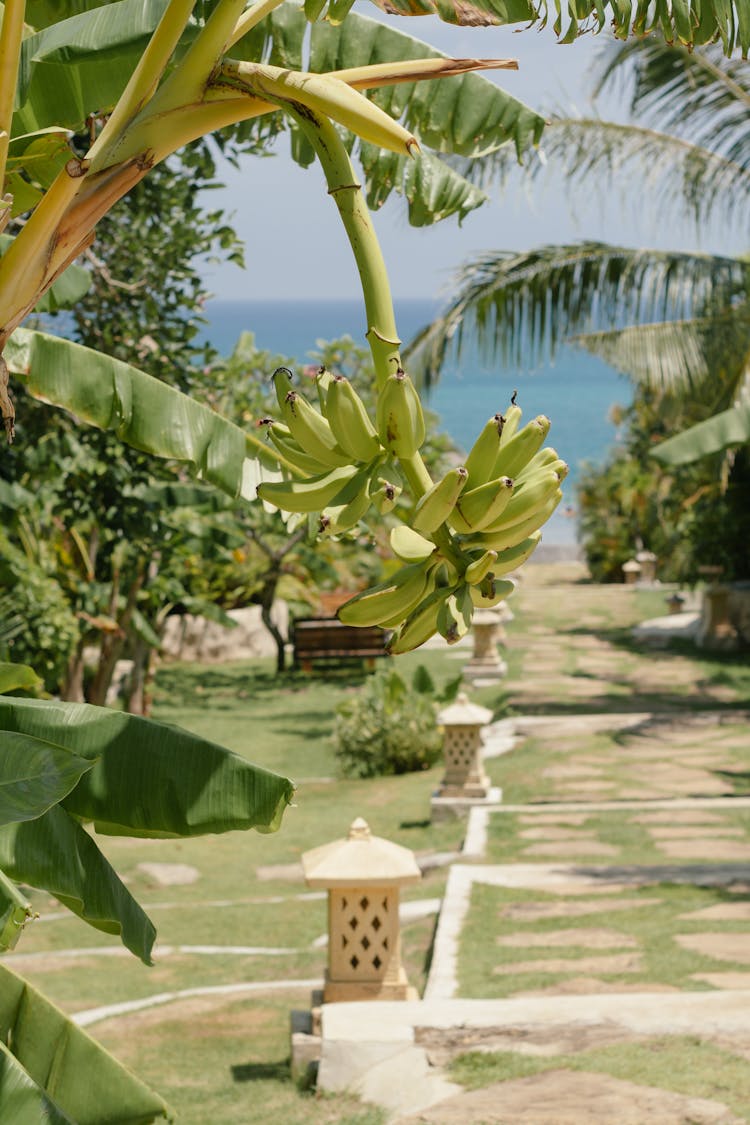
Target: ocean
point(576, 392)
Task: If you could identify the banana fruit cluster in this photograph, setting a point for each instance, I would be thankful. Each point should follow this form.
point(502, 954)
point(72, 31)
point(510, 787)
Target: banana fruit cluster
point(464, 535)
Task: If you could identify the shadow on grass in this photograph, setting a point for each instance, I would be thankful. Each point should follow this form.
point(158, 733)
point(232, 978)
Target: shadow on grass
point(261, 1071)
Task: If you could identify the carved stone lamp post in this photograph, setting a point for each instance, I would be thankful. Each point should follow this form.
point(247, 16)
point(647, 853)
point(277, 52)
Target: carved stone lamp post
point(362, 875)
point(487, 630)
point(462, 725)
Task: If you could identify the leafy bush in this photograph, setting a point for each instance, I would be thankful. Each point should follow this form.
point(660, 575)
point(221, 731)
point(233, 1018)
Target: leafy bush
point(389, 726)
point(50, 630)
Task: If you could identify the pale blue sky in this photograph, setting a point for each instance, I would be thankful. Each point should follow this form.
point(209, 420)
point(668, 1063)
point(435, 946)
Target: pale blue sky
point(295, 246)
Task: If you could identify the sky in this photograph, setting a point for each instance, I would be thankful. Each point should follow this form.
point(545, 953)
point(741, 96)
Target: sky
point(296, 247)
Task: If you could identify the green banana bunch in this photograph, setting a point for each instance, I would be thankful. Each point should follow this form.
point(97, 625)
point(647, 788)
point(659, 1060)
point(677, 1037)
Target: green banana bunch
point(400, 417)
point(527, 499)
point(455, 614)
point(420, 624)
point(437, 504)
point(306, 425)
point(389, 601)
point(353, 502)
point(347, 416)
point(483, 453)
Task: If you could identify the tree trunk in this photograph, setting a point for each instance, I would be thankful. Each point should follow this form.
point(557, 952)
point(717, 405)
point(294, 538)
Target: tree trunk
point(135, 698)
point(267, 595)
point(72, 688)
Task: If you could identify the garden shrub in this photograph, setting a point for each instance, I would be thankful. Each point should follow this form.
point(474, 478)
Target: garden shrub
point(390, 726)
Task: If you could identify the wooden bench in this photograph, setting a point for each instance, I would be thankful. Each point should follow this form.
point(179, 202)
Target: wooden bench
point(325, 640)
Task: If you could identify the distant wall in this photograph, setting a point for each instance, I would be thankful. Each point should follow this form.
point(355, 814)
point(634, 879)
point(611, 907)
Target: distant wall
point(197, 639)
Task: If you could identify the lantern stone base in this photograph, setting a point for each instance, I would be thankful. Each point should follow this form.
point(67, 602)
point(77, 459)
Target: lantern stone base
point(485, 670)
point(399, 989)
point(445, 807)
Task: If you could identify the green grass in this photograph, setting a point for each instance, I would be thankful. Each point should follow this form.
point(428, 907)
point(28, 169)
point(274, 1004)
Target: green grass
point(687, 1065)
point(653, 927)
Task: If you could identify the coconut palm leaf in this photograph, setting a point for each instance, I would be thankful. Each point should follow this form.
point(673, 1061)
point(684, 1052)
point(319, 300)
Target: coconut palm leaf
point(141, 410)
point(520, 307)
point(698, 94)
point(706, 357)
point(78, 1081)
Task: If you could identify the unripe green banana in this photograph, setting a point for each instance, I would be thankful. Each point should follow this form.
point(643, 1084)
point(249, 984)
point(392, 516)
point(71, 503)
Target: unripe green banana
point(541, 460)
point(421, 624)
point(285, 443)
point(310, 430)
point(282, 384)
point(323, 380)
point(528, 499)
point(435, 507)
point(348, 419)
point(490, 591)
point(384, 494)
point(511, 421)
point(526, 478)
point(389, 600)
point(400, 417)
point(352, 504)
point(483, 453)
point(514, 456)
point(482, 506)
point(505, 537)
point(476, 570)
point(409, 545)
point(512, 557)
point(311, 495)
point(455, 614)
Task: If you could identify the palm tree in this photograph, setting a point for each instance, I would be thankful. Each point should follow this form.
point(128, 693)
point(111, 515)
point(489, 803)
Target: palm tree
point(674, 320)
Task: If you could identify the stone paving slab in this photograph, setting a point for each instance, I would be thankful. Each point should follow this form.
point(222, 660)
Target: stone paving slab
point(562, 1097)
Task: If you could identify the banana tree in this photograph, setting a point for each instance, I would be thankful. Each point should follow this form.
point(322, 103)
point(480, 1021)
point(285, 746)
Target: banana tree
point(147, 77)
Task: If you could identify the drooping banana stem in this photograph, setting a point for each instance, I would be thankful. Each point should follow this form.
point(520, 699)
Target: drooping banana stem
point(143, 81)
point(11, 35)
point(382, 335)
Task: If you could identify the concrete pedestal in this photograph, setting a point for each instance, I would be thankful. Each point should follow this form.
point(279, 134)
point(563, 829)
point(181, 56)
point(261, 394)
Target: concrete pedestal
point(448, 808)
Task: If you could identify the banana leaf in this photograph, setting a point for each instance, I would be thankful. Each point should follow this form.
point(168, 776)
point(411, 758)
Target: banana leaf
point(730, 427)
point(15, 911)
point(21, 1100)
point(141, 410)
point(149, 779)
point(78, 1079)
point(34, 775)
point(17, 677)
point(54, 853)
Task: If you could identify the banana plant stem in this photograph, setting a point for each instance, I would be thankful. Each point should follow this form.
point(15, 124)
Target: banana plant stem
point(188, 82)
point(143, 81)
point(11, 35)
point(382, 335)
point(249, 19)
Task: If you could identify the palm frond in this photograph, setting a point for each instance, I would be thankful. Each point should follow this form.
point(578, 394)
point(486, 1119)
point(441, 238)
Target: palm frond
point(700, 94)
point(706, 357)
point(520, 307)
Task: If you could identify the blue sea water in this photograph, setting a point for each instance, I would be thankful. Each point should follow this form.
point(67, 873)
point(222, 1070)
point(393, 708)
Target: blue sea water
point(576, 392)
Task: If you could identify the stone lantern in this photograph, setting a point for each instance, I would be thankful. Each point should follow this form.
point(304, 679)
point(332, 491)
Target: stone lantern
point(462, 725)
point(487, 630)
point(647, 560)
point(362, 875)
point(631, 572)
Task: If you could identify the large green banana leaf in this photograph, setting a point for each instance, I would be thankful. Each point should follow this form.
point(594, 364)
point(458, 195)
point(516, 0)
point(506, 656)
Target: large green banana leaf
point(730, 427)
point(35, 775)
point(141, 410)
point(55, 854)
point(84, 1083)
point(150, 779)
point(20, 1097)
